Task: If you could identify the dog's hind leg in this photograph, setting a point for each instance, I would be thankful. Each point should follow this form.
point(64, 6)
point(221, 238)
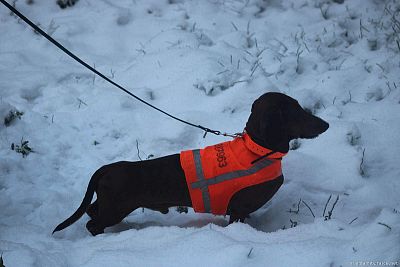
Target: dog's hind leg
point(92, 210)
point(106, 217)
point(111, 210)
point(93, 228)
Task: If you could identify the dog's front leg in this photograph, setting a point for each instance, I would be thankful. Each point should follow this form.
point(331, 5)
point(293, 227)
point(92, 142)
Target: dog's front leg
point(234, 218)
point(251, 199)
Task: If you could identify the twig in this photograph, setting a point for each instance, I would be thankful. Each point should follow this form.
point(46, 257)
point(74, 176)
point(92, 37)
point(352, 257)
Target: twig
point(248, 255)
point(138, 151)
point(380, 66)
point(361, 30)
point(245, 59)
point(353, 220)
point(309, 208)
point(326, 204)
point(259, 53)
point(266, 73)
point(344, 102)
point(324, 13)
point(384, 224)
point(254, 69)
point(305, 45)
point(298, 208)
point(349, 96)
point(298, 53)
point(362, 172)
point(51, 29)
point(234, 26)
point(282, 44)
point(333, 207)
point(221, 72)
point(239, 81)
point(247, 52)
point(388, 85)
point(142, 51)
point(81, 102)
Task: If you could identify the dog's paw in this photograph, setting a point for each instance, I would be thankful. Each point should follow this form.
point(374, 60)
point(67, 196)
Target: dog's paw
point(93, 228)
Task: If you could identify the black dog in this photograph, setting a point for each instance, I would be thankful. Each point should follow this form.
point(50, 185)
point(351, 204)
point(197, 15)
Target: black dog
point(160, 183)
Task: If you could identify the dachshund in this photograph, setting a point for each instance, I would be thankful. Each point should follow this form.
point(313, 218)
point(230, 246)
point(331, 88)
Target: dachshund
point(161, 183)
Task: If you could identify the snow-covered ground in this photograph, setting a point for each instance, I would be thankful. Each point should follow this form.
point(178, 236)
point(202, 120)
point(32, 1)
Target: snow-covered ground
point(204, 61)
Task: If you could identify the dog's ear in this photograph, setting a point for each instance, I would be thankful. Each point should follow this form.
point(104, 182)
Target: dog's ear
point(266, 126)
point(275, 130)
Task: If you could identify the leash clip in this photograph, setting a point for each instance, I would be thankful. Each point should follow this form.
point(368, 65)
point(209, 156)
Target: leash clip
point(208, 130)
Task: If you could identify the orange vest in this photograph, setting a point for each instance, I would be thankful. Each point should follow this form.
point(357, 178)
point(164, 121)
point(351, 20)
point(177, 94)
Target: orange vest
point(214, 174)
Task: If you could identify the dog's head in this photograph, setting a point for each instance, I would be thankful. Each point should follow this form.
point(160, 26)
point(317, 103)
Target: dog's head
point(276, 119)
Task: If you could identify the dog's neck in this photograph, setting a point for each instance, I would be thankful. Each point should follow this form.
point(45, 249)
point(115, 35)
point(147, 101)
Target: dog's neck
point(271, 143)
point(260, 150)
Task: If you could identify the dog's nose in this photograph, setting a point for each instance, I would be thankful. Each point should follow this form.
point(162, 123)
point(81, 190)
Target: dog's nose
point(325, 125)
point(322, 126)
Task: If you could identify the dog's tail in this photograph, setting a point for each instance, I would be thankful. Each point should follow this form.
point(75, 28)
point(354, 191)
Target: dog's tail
point(85, 202)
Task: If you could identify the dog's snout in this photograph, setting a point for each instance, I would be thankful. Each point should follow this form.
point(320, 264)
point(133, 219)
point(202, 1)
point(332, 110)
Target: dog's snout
point(325, 125)
point(318, 126)
point(311, 126)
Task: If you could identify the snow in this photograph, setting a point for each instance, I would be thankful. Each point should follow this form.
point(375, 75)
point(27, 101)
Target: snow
point(204, 61)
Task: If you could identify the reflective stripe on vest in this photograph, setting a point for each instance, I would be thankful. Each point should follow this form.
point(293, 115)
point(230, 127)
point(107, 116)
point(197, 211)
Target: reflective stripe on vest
point(200, 175)
point(203, 183)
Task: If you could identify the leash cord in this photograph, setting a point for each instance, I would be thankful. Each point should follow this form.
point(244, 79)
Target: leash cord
point(83, 63)
point(262, 157)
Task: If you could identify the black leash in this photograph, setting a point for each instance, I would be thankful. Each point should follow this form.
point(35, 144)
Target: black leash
point(264, 156)
point(80, 61)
